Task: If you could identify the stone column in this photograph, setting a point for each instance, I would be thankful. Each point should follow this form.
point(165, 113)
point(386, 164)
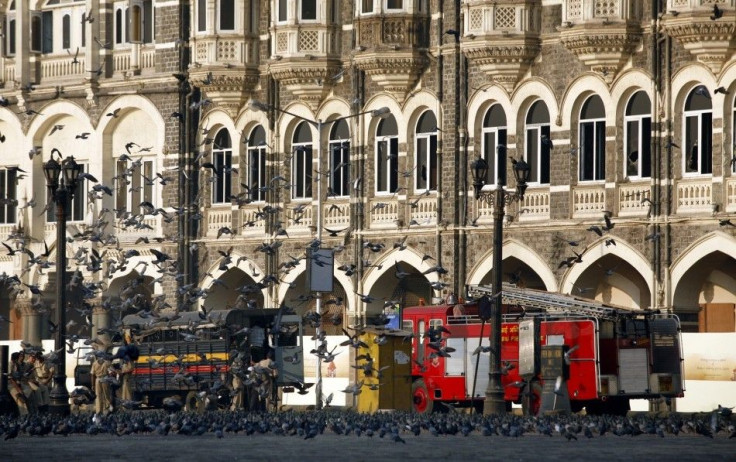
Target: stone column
point(31, 321)
point(22, 43)
point(100, 320)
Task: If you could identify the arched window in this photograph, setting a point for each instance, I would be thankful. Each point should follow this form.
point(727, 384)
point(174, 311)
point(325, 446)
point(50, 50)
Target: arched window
point(425, 159)
point(137, 187)
point(638, 136)
point(301, 162)
point(697, 150)
point(494, 135)
point(11, 36)
point(227, 15)
point(537, 142)
point(592, 143)
point(387, 156)
point(339, 159)
point(222, 158)
point(66, 32)
point(257, 164)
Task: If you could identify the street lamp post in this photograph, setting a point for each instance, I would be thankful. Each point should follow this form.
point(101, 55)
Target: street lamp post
point(319, 125)
point(494, 402)
point(62, 189)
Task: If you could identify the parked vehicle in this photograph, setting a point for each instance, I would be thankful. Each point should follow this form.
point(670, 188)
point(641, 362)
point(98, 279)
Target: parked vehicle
point(608, 354)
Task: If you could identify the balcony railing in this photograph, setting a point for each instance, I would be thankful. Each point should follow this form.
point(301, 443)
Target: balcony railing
point(535, 205)
point(54, 67)
point(217, 218)
point(588, 200)
point(632, 199)
point(336, 215)
point(409, 31)
point(250, 221)
point(225, 49)
point(384, 212)
point(695, 196)
point(149, 226)
point(301, 40)
point(124, 59)
point(731, 195)
point(584, 10)
point(423, 211)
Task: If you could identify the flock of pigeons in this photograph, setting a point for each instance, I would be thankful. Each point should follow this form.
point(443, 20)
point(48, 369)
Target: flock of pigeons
point(396, 426)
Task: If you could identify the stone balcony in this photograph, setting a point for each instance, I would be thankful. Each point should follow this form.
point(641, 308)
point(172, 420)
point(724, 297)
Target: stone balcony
point(392, 49)
point(602, 34)
point(694, 196)
point(226, 68)
point(502, 38)
point(710, 41)
point(305, 58)
point(588, 200)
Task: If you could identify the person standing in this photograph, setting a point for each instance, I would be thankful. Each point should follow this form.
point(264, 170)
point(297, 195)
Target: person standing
point(44, 374)
point(20, 393)
point(238, 386)
point(100, 371)
point(268, 373)
point(127, 379)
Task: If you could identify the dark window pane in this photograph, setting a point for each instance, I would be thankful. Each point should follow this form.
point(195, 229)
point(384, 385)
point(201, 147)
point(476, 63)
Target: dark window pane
point(593, 108)
point(691, 151)
point(538, 113)
point(66, 31)
point(544, 161)
point(147, 21)
point(421, 170)
point(495, 117)
point(227, 14)
point(427, 123)
point(119, 26)
point(201, 15)
point(600, 150)
point(489, 152)
point(367, 6)
point(309, 9)
point(394, 164)
point(283, 5)
point(433, 173)
point(394, 4)
point(639, 104)
point(532, 153)
point(706, 150)
point(587, 148)
point(632, 148)
point(646, 146)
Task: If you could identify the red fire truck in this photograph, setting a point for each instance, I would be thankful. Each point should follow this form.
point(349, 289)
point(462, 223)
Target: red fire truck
point(606, 354)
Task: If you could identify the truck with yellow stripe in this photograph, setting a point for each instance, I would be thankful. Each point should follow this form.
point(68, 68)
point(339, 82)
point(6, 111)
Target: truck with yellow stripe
point(191, 354)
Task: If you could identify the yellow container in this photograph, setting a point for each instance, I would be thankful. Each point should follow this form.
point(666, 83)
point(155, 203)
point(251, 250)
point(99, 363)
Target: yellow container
point(385, 370)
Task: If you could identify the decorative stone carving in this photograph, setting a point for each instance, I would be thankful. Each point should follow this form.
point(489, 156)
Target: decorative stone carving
point(396, 72)
point(228, 88)
point(309, 79)
point(602, 47)
point(505, 60)
point(710, 42)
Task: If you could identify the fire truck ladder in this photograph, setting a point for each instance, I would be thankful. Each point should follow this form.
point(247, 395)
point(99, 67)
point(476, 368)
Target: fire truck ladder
point(552, 303)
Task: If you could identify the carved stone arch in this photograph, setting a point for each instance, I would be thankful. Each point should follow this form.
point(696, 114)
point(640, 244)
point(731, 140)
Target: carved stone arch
point(684, 81)
point(577, 93)
point(377, 102)
point(515, 249)
point(716, 241)
point(527, 94)
point(245, 265)
point(623, 250)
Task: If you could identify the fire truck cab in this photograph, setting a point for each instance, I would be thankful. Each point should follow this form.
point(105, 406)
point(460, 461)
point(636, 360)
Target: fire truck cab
point(606, 354)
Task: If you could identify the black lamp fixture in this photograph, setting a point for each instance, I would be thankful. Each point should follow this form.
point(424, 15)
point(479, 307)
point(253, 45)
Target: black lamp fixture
point(479, 171)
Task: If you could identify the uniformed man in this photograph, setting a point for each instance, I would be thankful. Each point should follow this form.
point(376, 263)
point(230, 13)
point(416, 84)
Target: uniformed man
point(43, 374)
point(266, 368)
point(100, 373)
point(19, 389)
point(127, 379)
point(237, 383)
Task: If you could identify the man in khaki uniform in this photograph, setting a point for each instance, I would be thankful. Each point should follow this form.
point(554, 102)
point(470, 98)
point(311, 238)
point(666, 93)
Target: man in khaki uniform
point(18, 383)
point(238, 386)
point(100, 370)
point(127, 379)
point(268, 373)
point(44, 374)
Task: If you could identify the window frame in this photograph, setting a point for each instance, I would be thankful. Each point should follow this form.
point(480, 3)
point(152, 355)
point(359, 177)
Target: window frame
point(136, 179)
point(9, 190)
point(597, 157)
point(220, 16)
point(222, 159)
point(201, 12)
point(11, 44)
point(339, 150)
point(259, 152)
point(533, 132)
point(392, 163)
point(703, 133)
point(643, 143)
point(500, 133)
point(282, 6)
point(317, 10)
point(302, 164)
point(429, 141)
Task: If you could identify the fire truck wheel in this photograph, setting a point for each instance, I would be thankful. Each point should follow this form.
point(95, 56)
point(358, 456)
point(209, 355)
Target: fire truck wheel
point(422, 402)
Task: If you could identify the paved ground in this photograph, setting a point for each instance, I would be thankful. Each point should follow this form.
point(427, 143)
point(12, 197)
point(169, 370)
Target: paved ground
point(330, 447)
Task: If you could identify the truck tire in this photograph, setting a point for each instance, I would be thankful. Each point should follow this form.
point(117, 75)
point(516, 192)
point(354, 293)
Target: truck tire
point(421, 400)
point(191, 404)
